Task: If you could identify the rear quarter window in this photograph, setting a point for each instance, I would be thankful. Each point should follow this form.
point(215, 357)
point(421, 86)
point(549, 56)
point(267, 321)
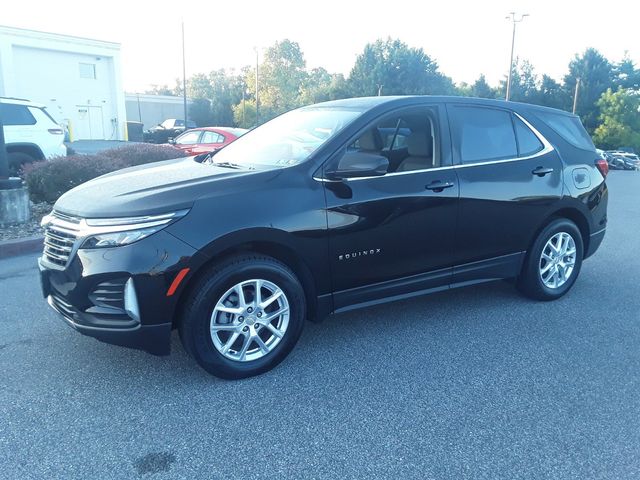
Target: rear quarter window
point(16, 114)
point(569, 128)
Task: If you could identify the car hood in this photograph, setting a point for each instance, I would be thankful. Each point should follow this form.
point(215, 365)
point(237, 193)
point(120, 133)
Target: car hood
point(146, 190)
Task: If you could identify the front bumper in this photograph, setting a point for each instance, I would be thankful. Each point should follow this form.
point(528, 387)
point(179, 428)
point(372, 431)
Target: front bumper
point(119, 295)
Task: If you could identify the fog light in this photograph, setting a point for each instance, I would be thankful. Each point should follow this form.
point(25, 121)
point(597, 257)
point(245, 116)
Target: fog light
point(131, 300)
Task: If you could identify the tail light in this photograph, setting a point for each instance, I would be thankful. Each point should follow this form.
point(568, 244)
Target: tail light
point(56, 131)
point(603, 166)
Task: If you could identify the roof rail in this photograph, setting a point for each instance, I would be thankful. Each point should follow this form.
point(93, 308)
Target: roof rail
point(14, 98)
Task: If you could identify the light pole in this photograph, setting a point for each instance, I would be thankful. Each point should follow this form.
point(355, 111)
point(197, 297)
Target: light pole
point(575, 96)
point(257, 99)
point(514, 19)
point(379, 89)
point(184, 79)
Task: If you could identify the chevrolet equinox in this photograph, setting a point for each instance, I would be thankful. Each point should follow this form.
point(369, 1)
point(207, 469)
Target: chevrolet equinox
point(324, 209)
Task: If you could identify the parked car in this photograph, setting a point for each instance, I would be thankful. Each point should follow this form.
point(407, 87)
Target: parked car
point(170, 128)
point(614, 162)
point(207, 139)
point(238, 247)
point(628, 161)
point(30, 133)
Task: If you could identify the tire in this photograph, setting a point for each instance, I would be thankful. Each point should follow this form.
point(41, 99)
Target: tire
point(219, 288)
point(537, 278)
point(16, 161)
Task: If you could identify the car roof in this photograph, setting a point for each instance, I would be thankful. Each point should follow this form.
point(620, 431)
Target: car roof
point(20, 101)
point(231, 130)
point(367, 103)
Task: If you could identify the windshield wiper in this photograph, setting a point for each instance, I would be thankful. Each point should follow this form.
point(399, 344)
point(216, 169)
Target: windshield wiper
point(232, 165)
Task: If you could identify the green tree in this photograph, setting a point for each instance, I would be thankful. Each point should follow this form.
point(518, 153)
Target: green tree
point(482, 89)
point(551, 94)
point(281, 77)
point(627, 76)
point(523, 83)
point(391, 67)
point(620, 120)
point(321, 86)
point(226, 91)
point(159, 90)
point(596, 76)
point(200, 112)
point(244, 114)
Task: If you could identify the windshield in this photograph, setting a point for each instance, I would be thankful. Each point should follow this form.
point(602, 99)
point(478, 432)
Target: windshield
point(288, 139)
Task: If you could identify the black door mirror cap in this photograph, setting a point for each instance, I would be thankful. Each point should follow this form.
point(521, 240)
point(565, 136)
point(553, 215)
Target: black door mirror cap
point(360, 164)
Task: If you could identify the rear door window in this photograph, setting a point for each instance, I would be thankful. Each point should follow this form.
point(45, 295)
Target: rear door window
point(482, 134)
point(16, 114)
point(212, 137)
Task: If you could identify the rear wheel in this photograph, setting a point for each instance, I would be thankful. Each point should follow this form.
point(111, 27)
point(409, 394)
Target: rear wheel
point(243, 317)
point(554, 261)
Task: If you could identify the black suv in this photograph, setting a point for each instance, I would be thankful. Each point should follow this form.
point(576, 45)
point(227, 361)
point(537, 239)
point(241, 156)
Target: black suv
point(324, 209)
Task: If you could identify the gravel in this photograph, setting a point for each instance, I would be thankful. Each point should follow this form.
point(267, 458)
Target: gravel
point(29, 229)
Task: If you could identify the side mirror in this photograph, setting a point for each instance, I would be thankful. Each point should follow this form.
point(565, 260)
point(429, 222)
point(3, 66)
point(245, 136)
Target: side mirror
point(360, 164)
point(171, 140)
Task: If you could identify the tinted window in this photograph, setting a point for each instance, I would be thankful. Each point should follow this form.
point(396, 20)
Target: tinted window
point(212, 137)
point(408, 139)
point(528, 143)
point(569, 128)
point(16, 114)
point(188, 138)
point(483, 134)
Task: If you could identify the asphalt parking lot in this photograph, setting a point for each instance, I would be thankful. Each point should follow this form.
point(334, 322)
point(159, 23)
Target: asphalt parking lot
point(475, 383)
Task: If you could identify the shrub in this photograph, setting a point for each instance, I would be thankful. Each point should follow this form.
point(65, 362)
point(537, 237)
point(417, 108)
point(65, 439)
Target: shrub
point(48, 180)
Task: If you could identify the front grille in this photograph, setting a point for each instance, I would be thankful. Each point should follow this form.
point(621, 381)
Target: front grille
point(60, 235)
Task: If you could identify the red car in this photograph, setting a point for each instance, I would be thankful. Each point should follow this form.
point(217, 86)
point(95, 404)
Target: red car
point(206, 139)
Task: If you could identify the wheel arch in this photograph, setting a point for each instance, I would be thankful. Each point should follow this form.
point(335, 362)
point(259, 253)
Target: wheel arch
point(570, 213)
point(30, 149)
point(278, 250)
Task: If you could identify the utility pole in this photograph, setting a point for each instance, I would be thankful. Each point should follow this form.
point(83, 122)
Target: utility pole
point(575, 96)
point(257, 98)
point(512, 16)
point(184, 78)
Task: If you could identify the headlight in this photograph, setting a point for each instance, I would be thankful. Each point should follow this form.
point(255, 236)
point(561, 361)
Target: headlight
point(115, 232)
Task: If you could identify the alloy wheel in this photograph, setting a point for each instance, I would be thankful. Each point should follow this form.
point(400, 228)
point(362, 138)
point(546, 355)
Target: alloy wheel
point(249, 320)
point(557, 260)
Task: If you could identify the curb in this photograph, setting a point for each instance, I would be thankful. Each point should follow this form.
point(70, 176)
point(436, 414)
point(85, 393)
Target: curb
point(21, 246)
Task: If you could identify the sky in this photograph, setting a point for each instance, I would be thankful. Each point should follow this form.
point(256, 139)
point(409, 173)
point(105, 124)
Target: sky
point(465, 37)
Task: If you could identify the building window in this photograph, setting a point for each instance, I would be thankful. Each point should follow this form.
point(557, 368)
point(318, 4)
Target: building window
point(88, 70)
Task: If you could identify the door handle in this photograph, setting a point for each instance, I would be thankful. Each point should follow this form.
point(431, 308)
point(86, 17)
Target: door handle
point(438, 186)
point(541, 171)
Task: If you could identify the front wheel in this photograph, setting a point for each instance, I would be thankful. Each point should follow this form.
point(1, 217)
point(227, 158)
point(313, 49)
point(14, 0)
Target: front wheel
point(243, 317)
point(553, 263)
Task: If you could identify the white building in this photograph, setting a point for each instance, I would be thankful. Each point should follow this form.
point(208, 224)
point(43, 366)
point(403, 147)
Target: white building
point(77, 79)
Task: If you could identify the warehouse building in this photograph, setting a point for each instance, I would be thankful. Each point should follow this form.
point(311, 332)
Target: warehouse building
point(77, 79)
point(150, 110)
